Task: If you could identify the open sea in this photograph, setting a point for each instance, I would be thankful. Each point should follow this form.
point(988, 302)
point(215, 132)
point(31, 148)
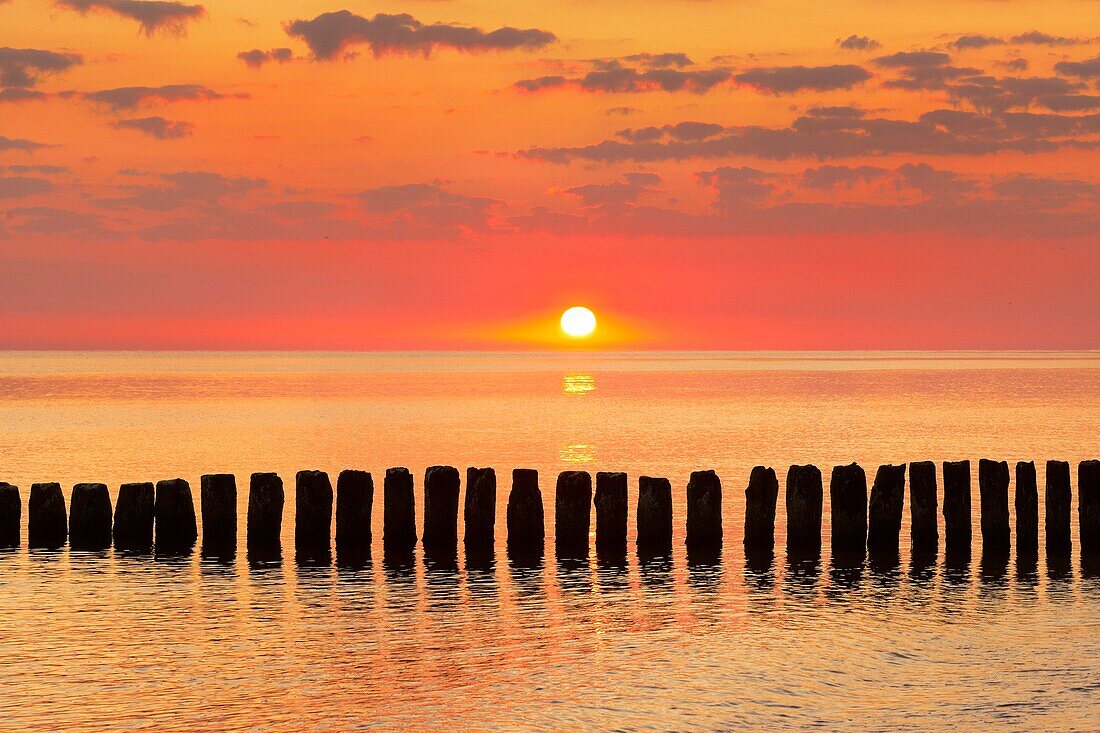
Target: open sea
point(93, 641)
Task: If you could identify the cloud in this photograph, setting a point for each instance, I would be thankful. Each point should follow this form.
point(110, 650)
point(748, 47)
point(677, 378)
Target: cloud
point(20, 144)
point(999, 94)
point(157, 127)
point(44, 170)
point(933, 182)
point(1045, 39)
point(858, 43)
point(613, 77)
point(827, 177)
point(621, 111)
point(922, 70)
point(790, 79)
point(256, 58)
point(25, 67)
point(16, 95)
point(737, 186)
point(15, 187)
point(186, 189)
point(843, 111)
point(615, 193)
point(151, 15)
point(124, 98)
point(975, 41)
point(912, 60)
point(52, 221)
point(1047, 190)
point(330, 34)
point(1089, 69)
point(424, 211)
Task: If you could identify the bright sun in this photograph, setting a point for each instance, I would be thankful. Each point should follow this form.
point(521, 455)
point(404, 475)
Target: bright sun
point(578, 322)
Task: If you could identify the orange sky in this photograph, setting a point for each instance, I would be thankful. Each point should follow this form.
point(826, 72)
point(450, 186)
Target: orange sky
point(746, 174)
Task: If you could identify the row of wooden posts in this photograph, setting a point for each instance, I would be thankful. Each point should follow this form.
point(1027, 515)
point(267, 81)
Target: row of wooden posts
point(166, 512)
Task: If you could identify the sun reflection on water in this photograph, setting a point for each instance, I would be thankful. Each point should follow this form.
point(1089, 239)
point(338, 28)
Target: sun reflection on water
point(578, 384)
point(577, 453)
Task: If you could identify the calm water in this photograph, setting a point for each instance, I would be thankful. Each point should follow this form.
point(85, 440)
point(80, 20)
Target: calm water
point(94, 641)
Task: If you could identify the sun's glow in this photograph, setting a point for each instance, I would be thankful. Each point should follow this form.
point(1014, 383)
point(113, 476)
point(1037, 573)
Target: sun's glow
point(578, 322)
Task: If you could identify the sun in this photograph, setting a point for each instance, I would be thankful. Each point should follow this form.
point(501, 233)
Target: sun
point(578, 322)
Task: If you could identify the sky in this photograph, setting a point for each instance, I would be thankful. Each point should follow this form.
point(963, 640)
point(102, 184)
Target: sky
point(453, 174)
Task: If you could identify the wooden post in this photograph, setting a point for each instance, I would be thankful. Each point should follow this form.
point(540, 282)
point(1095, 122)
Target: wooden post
point(90, 517)
point(442, 486)
point(480, 509)
point(1088, 508)
point(312, 515)
point(218, 505)
point(993, 489)
point(526, 528)
point(354, 504)
point(704, 511)
point(804, 499)
point(848, 502)
point(923, 507)
point(760, 499)
point(572, 513)
point(1058, 498)
point(1027, 511)
point(134, 517)
point(885, 509)
point(398, 511)
point(265, 512)
point(654, 516)
point(11, 515)
point(47, 523)
point(174, 517)
point(956, 506)
point(611, 510)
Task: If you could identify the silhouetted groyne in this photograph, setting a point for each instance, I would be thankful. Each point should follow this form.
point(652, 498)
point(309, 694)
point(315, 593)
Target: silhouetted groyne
point(162, 517)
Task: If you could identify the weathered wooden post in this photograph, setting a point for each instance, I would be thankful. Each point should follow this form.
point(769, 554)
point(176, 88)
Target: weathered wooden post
point(885, 509)
point(174, 516)
point(1058, 498)
point(923, 506)
point(354, 504)
point(134, 517)
point(90, 517)
point(654, 516)
point(848, 502)
point(704, 511)
point(442, 486)
point(572, 513)
point(526, 528)
point(760, 499)
point(480, 509)
point(218, 505)
point(956, 506)
point(804, 499)
point(993, 490)
point(1027, 510)
point(312, 514)
point(47, 524)
point(398, 511)
point(265, 512)
point(1088, 508)
point(611, 511)
point(11, 515)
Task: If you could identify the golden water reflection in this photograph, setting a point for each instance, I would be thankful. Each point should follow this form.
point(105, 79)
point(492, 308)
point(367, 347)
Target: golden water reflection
point(578, 384)
point(577, 453)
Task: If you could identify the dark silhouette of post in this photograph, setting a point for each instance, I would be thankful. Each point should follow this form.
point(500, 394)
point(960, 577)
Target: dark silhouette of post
point(90, 517)
point(398, 511)
point(885, 509)
point(654, 516)
point(11, 515)
point(47, 522)
point(218, 505)
point(174, 517)
point(354, 504)
point(572, 513)
point(480, 509)
point(442, 486)
point(993, 489)
point(312, 515)
point(704, 511)
point(1088, 508)
point(923, 507)
point(526, 528)
point(848, 503)
point(1027, 510)
point(1058, 498)
point(265, 513)
point(611, 510)
point(956, 506)
point(804, 498)
point(134, 517)
point(760, 498)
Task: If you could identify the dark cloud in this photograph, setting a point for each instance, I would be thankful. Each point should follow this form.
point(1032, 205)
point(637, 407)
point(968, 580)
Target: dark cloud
point(1017, 64)
point(43, 170)
point(827, 177)
point(858, 43)
point(124, 98)
point(424, 211)
point(196, 189)
point(933, 182)
point(913, 60)
point(330, 34)
point(1045, 39)
point(157, 127)
point(975, 40)
point(660, 60)
point(1002, 93)
point(737, 187)
point(1048, 190)
point(18, 94)
point(52, 221)
point(256, 58)
point(151, 15)
point(790, 79)
point(25, 67)
point(20, 144)
point(16, 187)
point(1089, 69)
point(621, 111)
point(1068, 102)
point(615, 193)
point(846, 112)
point(615, 78)
point(922, 70)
